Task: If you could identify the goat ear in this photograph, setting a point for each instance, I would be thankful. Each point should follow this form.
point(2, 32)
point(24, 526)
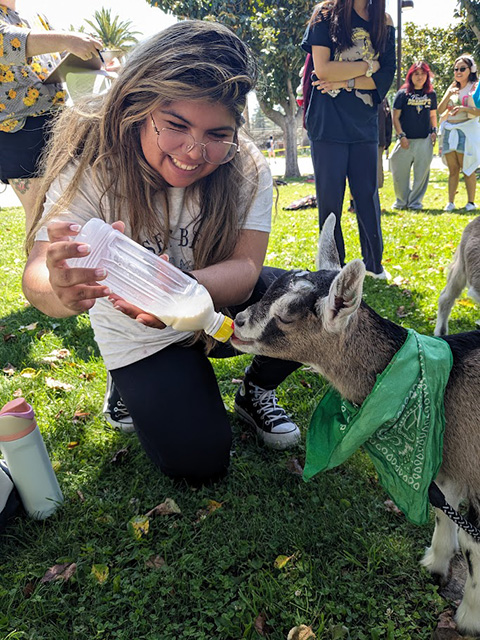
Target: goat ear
point(327, 255)
point(344, 296)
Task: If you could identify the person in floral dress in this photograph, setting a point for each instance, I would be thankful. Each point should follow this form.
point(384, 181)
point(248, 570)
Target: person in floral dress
point(28, 53)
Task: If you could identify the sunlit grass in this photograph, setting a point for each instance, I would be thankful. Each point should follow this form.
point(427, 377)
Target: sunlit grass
point(352, 563)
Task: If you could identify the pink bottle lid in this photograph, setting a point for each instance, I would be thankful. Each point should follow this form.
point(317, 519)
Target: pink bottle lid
point(17, 408)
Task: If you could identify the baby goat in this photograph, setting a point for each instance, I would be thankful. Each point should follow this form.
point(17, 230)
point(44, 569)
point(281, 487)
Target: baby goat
point(319, 319)
point(465, 269)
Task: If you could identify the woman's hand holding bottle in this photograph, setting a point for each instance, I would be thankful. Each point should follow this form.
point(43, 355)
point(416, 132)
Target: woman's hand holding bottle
point(76, 288)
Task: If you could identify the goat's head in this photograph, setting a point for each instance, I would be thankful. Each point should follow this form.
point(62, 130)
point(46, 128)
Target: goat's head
point(300, 306)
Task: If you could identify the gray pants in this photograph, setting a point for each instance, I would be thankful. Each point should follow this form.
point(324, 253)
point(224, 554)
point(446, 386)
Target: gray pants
point(419, 154)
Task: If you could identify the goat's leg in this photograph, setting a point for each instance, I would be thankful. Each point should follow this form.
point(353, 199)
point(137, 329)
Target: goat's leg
point(468, 612)
point(456, 282)
point(444, 543)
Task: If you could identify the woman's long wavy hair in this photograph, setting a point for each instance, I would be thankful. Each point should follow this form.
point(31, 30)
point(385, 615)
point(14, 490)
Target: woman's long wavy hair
point(427, 85)
point(339, 12)
point(191, 60)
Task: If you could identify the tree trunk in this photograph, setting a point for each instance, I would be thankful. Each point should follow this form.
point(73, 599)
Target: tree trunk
point(472, 16)
point(291, 155)
point(288, 125)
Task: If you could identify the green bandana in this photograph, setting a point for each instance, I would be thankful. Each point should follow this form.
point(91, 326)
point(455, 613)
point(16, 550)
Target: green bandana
point(400, 424)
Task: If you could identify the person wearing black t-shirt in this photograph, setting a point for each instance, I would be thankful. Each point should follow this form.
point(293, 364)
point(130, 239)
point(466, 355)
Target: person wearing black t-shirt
point(415, 121)
point(352, 43)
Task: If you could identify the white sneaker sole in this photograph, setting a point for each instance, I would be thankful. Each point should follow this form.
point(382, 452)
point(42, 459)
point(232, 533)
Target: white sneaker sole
point(277, 441)
point(124, 427)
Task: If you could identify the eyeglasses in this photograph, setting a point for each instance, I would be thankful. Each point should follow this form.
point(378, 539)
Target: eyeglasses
point(178, 143)
point(460, 69)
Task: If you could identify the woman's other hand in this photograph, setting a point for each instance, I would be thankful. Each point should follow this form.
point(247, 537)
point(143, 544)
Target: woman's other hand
point(325, 86)
point(135, 313)
point(404, 143)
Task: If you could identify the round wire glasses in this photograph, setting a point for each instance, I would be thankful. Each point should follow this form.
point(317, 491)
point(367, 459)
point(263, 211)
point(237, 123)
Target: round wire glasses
point(177, 143)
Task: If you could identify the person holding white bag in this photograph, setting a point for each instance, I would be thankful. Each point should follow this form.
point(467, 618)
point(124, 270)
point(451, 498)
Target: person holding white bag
point(461, 131)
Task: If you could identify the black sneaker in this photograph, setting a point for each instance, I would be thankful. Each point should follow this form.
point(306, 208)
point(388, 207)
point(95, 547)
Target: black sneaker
point(114, 409)
point(259, 408)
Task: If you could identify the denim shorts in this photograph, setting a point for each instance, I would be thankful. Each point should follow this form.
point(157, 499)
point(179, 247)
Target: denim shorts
point(461, 141)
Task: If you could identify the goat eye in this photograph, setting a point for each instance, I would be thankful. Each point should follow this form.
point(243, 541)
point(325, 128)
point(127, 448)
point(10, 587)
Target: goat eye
point(283, 319)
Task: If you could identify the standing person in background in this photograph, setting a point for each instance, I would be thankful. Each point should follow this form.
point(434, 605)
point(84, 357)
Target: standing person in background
point(271, 147)
point(461, 131)
point(415, 122)
point(384, 136)
point(384, 141)
point(27, 104)
point(353, 47)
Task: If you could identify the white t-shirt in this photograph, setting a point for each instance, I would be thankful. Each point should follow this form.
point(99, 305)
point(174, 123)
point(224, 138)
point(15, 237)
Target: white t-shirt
point(122, 340)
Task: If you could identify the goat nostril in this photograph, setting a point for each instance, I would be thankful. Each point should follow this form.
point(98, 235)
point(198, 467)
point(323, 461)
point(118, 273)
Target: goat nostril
point(239, 322)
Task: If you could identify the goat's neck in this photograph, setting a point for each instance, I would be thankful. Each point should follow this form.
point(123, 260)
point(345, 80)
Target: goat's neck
point(360, 353)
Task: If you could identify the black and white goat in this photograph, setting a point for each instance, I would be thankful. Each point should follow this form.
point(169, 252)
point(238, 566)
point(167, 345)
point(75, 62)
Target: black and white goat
point(319, 319)
point(464, 270)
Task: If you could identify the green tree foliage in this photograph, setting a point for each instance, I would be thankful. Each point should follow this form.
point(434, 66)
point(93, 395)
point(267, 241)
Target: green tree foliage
point(437, 46)
point(274, 31)
point(113, 33)
point(470, 11)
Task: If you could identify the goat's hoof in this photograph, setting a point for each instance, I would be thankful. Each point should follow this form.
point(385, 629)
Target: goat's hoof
point(468, 621)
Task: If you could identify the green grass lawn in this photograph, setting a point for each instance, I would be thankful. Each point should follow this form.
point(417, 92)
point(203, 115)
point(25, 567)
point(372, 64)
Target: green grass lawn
point(215, 570)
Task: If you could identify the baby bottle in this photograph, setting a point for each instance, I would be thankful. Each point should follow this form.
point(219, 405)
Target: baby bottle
point(145, 280)
point(22, 446)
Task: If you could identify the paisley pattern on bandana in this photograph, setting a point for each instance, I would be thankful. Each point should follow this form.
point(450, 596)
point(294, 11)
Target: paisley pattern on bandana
point(400, 425)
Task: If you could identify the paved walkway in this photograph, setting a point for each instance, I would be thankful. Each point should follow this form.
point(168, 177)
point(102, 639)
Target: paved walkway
point(9, 199)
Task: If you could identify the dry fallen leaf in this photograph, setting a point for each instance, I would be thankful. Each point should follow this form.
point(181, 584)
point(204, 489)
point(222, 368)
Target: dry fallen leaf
point(155, 562)
point(72, 445)
point(465, 302)
point(282, 561)
point(9, 336)
point(301, 633)
point(56, 355)
point(28, 372)
point(18, 393)
point(212, 505)
point(166, 508)
point(260, 624)
point(100, 572)
point(58, 384)
point(294, 466)
point(9, 369)
point(28, 327)
point(80, 416)
point(59, 572)
point(139, 526)
point(88, 376)
point(401, 313)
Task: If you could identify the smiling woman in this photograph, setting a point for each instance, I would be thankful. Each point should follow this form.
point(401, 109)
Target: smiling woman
point(162, 157)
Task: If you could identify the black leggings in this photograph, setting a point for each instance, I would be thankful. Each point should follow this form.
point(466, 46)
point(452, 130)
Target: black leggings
point(174, 400)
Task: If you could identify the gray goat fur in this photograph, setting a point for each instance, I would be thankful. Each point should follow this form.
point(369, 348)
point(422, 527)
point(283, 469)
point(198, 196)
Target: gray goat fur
point(319, 319)
point(464, 270)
